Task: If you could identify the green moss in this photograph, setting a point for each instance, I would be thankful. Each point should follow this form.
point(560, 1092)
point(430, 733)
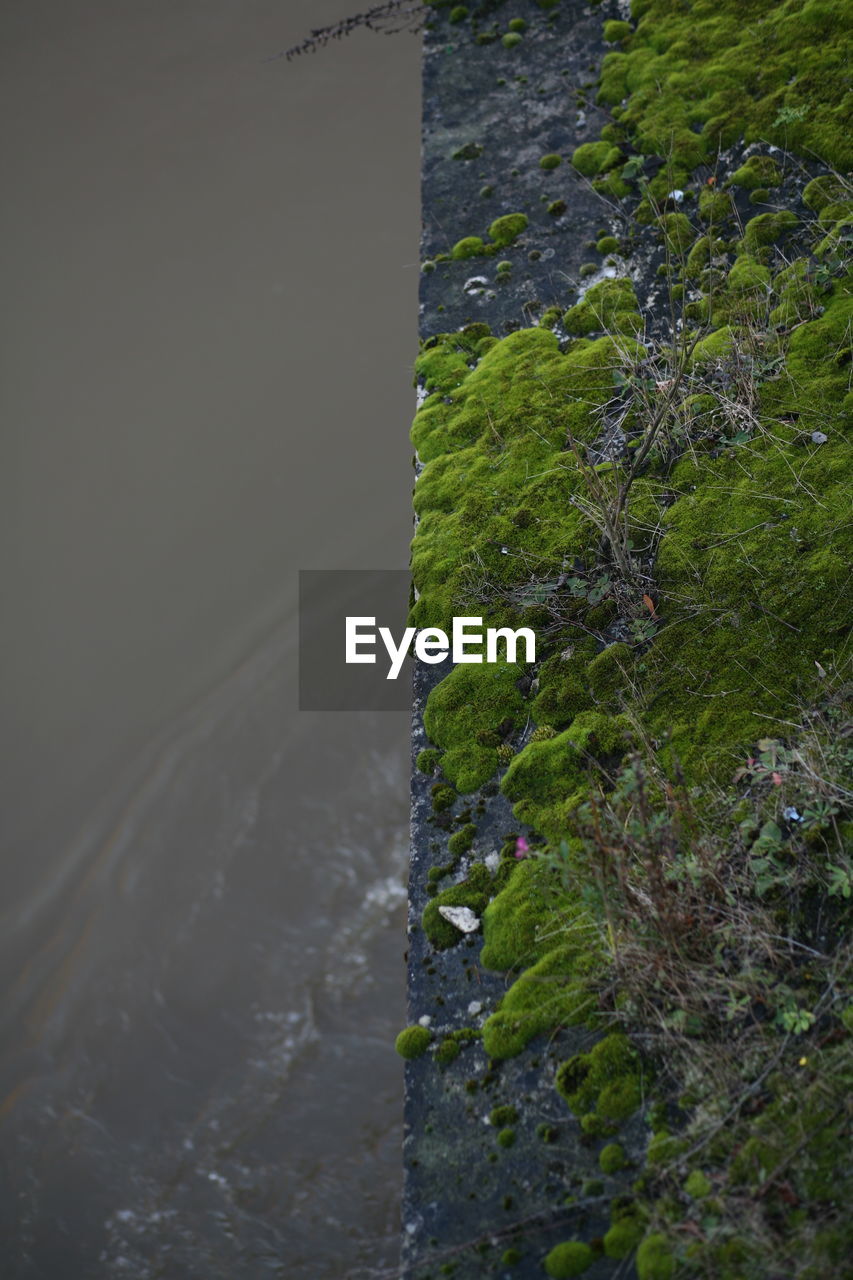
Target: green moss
point(767, 229)
point(413, 1041)
point(700, 257)
point(458, 14)
point(468, 247)
point(554, 992)
point(503, 1116)
point(609, 305)
point(443, 797)
point(550, 161)
point(615, 32)
point(511, 39)
point(523, 913)
point(697, 1185)
point(758, 171)
point(473, 892)
point(716, 347)
point(623, 1237)
point(556, 208)
point(506, 422)
point(609, 673)
point(611, 185)
point(612, 1158)
point(460, 842)
point(678, 234)
point(506, 230)
point(769, 72)
point(715, 206)
point(607, 244)
point(596, 157)
point(820, 192)
point(571, 1258)
point(654, 1259)
point(448, 1051)
point(546, 779)
point(506, 1138)
point(606, 1081)
point(747, 274)
point(517, 24)
point(428, 759)
point(474, 698)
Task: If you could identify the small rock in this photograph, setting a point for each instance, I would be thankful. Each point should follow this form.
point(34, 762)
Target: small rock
point(492, 861)
point(425, 1021)
point(791, 815)
point(676, 196)
point(818, 437)
point(474, 1008)
point(462, 918)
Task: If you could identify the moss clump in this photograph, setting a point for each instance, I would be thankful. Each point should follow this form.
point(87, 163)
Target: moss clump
point(701, 256)
point(468, 151)
point(605, 1082)
point(678, 235)
point(758, 171)
point(715, 348)
point(596, 157)
point(569, 1259)
point(610, 305)
point(747, 275)
point(612, 1158)
point(609, 672)
point(551, 161)
point(506, 1138)
point(607, 244)
point(546, 779)
point(506, 423)
point(715, 206)
point(474, 700)
point(797, 295)
point(698, 78)
point(506, 230)
point(654, 1259)
point(428, 760)
point(413, 1042)
point(697, 1185)
point(623, 1237)
point(468, 247)
point(822, 191)
point(448, 1051)
point(518, 917)
point(615, 31)
point(767, 229)
point(460, 842)
point(502, 1117)
point(473, 893)
point(443, 797)
point(511, 39)
point(458, 13)
point(552, 993)
point(517, 24)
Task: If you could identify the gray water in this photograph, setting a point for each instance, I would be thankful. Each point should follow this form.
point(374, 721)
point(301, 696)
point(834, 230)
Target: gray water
point(210, 277)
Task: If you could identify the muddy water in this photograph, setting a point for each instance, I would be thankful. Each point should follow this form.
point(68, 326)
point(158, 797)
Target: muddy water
point(210, 281)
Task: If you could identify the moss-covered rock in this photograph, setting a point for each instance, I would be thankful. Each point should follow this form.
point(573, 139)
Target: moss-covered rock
point(571, 1258)
point(413, 1041)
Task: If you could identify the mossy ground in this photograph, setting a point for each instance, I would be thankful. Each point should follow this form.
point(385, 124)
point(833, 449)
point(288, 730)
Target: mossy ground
point(686, 695)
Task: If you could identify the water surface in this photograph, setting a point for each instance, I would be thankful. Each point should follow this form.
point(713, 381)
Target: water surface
point(210, 265)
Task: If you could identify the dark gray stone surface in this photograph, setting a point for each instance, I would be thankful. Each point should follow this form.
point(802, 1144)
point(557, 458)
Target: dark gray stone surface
point(467, 1199)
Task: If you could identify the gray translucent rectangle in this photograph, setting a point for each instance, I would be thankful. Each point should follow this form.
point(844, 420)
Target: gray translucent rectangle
point(327, 597)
